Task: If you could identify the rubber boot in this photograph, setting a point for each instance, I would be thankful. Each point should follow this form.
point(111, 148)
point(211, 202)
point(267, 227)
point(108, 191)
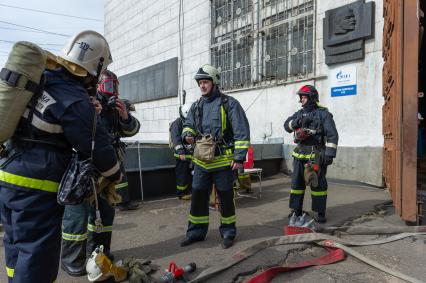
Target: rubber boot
point(97, 239)
point(73, 257)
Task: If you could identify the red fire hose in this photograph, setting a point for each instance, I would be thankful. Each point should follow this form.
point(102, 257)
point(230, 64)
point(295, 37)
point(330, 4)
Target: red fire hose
point(333, 255)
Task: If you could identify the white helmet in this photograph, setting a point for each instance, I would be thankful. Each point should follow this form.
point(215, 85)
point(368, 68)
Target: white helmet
point(94, 272)
point(99, 267)
point(184, 109)
point(208, 72)
point(84, 51)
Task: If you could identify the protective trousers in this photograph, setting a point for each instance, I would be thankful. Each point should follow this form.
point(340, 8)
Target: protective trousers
point(32, 234)
point(244, 182)
point(199, 214)
point(102, 236)
point(78, 232)
point(74, 236)
point(123, 188)
point(183, 176)
point(297, 193)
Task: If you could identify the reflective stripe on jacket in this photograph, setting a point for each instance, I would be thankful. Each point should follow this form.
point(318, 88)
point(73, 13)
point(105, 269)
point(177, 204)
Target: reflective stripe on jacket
point(63, 115)
point(222, 117)
point(326, 133)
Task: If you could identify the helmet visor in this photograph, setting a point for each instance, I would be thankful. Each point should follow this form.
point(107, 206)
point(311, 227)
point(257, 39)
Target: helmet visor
point(109, 86)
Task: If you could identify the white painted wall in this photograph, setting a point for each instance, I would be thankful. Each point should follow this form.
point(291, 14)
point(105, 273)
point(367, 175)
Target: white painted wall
point(143, 33)
point(358, 118)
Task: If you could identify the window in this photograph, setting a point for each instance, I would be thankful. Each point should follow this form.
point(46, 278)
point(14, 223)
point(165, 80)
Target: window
point(270, 41)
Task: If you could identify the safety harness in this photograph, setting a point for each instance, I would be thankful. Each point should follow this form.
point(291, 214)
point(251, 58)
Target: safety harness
point(224, 110)
point(225, 148)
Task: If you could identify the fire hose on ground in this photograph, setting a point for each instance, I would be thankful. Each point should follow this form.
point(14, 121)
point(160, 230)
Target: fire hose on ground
point(334, 245)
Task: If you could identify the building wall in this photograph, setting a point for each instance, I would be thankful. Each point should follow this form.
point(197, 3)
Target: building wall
point(143, 33)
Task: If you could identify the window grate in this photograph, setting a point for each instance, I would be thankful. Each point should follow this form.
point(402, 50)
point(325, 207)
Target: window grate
point(271, 41)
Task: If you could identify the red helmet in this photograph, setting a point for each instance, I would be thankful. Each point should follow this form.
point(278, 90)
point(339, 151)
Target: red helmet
point(309, 91)
point(108, 83)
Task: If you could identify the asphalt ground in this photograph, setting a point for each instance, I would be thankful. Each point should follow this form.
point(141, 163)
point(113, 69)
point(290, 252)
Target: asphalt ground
point(155, 230)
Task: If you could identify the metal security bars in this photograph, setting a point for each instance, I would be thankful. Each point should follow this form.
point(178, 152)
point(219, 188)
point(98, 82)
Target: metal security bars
point(262, 41)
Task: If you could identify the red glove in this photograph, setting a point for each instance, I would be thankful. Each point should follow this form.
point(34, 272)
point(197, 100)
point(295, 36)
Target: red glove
point(300, 135)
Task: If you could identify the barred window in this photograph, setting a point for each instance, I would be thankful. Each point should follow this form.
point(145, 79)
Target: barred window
point(254, 42)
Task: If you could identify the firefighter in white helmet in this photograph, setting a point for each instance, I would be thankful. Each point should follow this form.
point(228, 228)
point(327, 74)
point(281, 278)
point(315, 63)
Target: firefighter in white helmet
point(59, 121)
point(182, 154)
point(218, 127)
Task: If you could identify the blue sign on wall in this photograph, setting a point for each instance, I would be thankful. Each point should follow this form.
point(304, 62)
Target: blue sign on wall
point(343, 81)
point(343, 90)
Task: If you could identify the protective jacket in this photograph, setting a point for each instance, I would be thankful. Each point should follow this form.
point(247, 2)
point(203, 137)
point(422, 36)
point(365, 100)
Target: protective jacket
point(116, 127)
point(222, 117)
point(176, 128)
point(78, 223)
point(62, 120)
point(322, 133)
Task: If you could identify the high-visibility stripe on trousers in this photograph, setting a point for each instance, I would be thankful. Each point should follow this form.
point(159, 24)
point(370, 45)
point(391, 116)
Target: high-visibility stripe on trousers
point(32, 234)
point(79, 238)
point(297, 193)
point(74, 236)
point(183, 176)
point(28, 183)
point(198, 219)
point(123, 188)
point(103, 236)
point(244, 181)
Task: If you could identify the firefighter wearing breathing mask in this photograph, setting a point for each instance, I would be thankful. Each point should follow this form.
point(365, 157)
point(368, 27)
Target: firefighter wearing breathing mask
point(60, 121)
point(79, 234)
point(118, 121)
point(316, 137)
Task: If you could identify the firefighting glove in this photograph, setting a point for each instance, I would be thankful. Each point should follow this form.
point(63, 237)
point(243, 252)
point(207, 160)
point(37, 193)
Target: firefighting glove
point(328, 160)
point(305, 121)
point(310, 176)
point(140, 270)
point(300, 122)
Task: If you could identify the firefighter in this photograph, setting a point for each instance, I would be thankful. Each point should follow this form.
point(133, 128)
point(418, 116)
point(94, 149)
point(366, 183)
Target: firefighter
point(58, 122)
point(316, 137)
point(119, 123)
point(182, 155)
point(79, 237)
point(217, 123)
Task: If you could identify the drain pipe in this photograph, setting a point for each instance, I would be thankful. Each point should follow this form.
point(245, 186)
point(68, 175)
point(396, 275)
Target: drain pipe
point(140, 169)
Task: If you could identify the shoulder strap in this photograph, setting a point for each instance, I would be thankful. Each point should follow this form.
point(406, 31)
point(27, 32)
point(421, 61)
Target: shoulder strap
point(198, 115)
point(33, 104)
point(226, 127)
point(12, 78)
point(93, 135)
point(225, 102)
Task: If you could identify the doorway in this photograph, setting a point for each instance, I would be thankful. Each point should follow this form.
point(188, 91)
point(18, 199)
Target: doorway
point(421, 137)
